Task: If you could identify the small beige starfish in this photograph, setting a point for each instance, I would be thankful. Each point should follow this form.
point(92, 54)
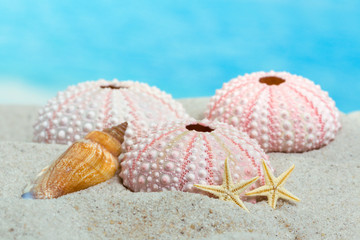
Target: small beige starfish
point(228, 191)
point(273, 188)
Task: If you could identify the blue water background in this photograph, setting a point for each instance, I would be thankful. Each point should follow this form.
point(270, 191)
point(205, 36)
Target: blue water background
point(186, 48)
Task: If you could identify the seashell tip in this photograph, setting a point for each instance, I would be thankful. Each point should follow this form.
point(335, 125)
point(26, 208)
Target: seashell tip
point(28, 195)
point(117, 132)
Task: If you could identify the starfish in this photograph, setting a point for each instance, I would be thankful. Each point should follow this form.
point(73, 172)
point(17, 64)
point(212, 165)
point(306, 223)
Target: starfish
point(228, 191)
point(273, 188)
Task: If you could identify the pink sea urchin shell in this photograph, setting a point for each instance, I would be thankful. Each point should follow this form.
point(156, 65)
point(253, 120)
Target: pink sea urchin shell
point(95, 105)
point(283, 112)
point(176, 155)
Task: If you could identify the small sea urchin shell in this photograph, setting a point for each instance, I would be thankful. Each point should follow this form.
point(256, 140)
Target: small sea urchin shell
point(95, 105)
point(176, 155)
point(283, 112)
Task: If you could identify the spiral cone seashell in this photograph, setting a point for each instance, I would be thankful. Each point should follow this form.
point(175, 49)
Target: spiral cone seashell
point(85, 163)
point(282, 111)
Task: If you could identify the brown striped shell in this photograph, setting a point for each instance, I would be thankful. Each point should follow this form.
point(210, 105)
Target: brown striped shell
point(85, 163)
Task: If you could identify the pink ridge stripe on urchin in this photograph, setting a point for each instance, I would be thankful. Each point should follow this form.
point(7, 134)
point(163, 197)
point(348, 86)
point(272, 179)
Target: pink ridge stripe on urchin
point(250, 111)
point(283, 112)
point(209, 160)
point(132, 111)
point(107, 108)
point(185, 163)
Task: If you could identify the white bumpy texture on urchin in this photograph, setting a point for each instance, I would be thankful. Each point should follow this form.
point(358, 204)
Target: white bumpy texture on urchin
point(95, 105)
point(294, 116)
point(171, 157)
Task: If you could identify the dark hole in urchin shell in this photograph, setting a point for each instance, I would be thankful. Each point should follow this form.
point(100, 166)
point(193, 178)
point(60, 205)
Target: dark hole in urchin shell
point(199, 128)
point(271, 80)
point(113, 86)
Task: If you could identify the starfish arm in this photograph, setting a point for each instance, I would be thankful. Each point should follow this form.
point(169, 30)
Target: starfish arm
point(237, 201)
point(261, 191)
point(227, 181)
point(280, 180)
point(269, 176)
point(283, 193)
point(272, 199)
point(216, 190)
point(242, 186)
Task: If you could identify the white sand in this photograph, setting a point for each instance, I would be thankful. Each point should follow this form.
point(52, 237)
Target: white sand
point(326, 180)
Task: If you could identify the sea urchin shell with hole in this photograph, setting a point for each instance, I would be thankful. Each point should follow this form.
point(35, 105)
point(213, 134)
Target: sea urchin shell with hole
point(176, 155)
point(95, 105)
point(283, 112)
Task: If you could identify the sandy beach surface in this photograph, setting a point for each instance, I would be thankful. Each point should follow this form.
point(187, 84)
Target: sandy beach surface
point(326, 180)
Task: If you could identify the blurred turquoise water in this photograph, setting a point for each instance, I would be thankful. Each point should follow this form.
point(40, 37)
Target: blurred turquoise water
point(185, 48)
